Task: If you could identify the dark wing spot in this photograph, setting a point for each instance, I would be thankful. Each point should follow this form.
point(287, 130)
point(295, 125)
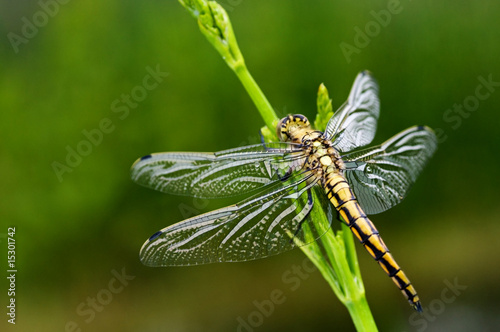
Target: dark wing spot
point(155, 236)
point(146, 157)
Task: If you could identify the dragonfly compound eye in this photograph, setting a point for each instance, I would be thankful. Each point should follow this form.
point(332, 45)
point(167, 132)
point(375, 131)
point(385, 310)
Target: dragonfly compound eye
point(289, 124)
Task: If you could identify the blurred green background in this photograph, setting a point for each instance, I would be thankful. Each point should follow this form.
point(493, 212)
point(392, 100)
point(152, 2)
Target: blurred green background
point(75, 231)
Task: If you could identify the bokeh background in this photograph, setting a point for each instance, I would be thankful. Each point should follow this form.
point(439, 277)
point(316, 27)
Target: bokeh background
point(78, 228)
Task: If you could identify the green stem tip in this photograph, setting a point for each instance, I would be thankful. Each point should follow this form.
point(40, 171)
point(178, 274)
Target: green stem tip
point(215, 24)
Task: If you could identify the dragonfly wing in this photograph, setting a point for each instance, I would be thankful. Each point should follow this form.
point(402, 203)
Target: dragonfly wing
point(355, 122)
point(382, 175)
point(220, 174)
point(260, 226)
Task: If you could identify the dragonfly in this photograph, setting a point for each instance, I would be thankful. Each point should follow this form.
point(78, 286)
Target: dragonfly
point(353, 181)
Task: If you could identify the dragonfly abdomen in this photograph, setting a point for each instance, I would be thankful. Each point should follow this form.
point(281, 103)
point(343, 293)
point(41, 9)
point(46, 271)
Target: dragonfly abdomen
point(340, 194)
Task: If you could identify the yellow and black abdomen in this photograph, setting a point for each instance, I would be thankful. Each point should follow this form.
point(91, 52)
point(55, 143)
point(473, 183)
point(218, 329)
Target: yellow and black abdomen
point(340, 194)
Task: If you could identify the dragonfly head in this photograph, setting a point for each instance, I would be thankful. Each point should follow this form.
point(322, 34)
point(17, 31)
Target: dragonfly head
point(292, 127)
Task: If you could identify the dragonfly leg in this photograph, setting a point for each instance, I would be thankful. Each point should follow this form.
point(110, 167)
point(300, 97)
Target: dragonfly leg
point(286, 175)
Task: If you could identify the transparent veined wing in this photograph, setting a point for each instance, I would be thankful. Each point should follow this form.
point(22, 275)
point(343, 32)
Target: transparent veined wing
point(260, 226)
point(354, 124)
point(381, 176)
point(221, 174)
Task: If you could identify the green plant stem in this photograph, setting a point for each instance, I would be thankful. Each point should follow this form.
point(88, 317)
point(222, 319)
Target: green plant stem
point(265, 109)
point(355, 299)
point(361, 314)
point(340, 267)
point(215, 25)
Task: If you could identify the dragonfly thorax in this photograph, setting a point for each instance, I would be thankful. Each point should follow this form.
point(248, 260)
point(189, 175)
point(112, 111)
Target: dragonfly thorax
point(322, 156)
